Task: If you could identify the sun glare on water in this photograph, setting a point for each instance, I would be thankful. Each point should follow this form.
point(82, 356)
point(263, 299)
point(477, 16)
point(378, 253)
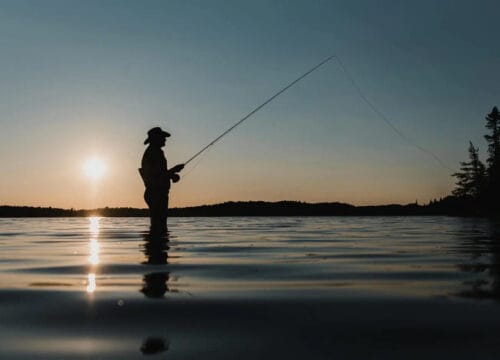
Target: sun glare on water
point(94, 168)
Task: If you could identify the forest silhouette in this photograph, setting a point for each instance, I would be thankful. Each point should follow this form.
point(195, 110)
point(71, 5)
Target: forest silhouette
point(477, 187)
point(446, 206)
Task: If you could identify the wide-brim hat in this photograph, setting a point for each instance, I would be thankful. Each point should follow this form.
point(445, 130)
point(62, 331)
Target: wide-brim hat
point(156, 133)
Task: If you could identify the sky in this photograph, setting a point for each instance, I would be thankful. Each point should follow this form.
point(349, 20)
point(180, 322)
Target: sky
point(88, 79)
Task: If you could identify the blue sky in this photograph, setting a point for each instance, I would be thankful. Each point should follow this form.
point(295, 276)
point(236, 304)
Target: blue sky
point(86, 79)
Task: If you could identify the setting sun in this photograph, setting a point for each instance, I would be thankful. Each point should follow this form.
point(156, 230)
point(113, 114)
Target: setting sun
point(94, 168)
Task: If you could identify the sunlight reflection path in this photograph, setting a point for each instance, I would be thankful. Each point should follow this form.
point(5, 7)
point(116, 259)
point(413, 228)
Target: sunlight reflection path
point(94, 253)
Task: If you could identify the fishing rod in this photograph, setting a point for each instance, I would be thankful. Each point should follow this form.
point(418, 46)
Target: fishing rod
point(259, 107)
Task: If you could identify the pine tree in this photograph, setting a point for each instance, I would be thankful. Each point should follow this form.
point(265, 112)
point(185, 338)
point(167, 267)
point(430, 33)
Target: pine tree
point(492, 192)
point(493, 139)
point(470, 179)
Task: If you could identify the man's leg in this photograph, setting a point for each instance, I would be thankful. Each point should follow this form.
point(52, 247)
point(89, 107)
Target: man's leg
point(154, 213)
point(163, 212)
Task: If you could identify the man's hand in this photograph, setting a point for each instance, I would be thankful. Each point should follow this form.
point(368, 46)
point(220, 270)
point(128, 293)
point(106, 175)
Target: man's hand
point(175, 178)
point(177, 168)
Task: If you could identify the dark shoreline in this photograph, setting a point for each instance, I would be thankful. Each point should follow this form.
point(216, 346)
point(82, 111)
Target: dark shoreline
point(448, 206)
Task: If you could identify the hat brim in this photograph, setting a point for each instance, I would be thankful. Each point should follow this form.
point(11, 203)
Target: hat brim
point(163, 134)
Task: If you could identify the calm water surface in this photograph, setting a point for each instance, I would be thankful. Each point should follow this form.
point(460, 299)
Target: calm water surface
point(324, 287)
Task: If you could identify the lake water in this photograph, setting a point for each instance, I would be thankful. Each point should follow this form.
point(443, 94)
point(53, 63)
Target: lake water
point(248, 288)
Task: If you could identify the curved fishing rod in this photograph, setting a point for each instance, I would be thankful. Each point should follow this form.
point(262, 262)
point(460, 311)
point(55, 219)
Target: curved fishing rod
point(259, 107)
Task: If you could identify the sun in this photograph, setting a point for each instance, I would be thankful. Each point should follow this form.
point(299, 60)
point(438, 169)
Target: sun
point(94, 168)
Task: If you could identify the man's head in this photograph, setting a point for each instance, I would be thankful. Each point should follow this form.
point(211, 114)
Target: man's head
point(156, 137)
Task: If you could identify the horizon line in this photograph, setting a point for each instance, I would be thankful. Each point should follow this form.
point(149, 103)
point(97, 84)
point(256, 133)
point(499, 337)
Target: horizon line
point(222, 203)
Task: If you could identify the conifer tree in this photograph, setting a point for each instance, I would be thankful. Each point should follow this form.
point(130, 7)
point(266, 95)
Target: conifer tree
point(471, 177)
point(493, 140)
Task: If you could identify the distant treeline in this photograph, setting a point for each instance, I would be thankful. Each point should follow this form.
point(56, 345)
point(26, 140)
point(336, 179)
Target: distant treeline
point(450, 205)
point(30, 211)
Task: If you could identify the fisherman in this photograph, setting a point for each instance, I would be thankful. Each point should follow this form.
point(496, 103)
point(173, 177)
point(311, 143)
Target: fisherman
point(157, 177)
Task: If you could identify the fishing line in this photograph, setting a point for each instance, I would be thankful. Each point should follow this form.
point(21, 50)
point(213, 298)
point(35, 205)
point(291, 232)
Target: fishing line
point(192, 167)
point(360, 93)
point(258, 108)
point(377, 111)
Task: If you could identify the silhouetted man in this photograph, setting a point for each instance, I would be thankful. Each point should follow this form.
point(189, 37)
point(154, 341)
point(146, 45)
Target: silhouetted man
point(157, 177)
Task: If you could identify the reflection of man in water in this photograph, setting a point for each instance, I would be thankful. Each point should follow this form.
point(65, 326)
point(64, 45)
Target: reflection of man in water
point(157, 177)
point(155, 285)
